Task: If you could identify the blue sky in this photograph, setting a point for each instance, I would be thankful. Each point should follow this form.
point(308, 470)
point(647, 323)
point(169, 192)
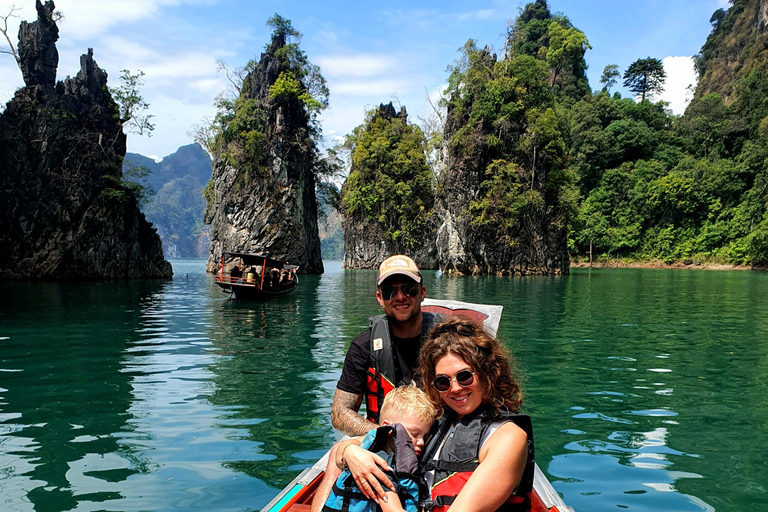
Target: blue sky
point(368, 52)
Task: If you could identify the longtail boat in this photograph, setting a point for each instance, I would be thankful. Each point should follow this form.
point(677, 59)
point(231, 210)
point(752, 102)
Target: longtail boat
point(254, 276)
point(297, 496)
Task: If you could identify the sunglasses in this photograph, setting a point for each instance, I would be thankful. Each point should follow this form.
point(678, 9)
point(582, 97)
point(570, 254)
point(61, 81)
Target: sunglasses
point(410, 289)
point(464, 378)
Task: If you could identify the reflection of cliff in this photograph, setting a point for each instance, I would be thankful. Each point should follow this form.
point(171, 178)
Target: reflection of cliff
point(64, 387)
point(267, 374)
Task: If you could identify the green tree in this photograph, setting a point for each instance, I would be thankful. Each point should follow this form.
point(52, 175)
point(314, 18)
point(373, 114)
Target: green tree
point(134, 110)
point(390, 183)
point(610, 77)
point(566, 46)
point(645, 77)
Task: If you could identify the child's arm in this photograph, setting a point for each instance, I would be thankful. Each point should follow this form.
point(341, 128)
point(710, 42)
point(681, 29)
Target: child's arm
point(392, 504)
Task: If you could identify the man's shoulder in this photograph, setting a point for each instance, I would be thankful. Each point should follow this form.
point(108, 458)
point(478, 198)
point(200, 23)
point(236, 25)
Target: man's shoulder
point(363, 338)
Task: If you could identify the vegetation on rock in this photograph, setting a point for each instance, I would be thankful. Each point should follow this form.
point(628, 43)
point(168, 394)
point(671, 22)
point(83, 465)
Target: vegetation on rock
point(390, 184)
point(262, 197)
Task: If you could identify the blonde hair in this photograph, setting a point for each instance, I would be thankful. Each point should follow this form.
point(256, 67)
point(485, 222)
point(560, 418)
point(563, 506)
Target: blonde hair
point(407, 400)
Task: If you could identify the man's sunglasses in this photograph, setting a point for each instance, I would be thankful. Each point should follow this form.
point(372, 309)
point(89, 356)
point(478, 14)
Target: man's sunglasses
point(410, 289)
point(464, 378)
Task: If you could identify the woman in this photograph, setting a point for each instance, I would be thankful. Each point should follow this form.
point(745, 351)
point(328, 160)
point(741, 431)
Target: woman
point(481, 456)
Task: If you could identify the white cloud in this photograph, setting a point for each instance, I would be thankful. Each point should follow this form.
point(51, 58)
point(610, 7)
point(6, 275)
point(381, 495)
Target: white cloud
point(363, 64)
point(382, 87)
point(84, 19)
point(680, 75)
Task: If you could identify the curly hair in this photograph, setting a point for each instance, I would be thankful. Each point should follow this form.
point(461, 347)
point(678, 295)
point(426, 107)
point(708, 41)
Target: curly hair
point(466, 338)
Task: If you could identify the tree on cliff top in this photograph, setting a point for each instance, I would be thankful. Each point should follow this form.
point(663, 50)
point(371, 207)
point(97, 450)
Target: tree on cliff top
point(238, 133)
point(551, 38)
point(645, 77)
point(134, 116)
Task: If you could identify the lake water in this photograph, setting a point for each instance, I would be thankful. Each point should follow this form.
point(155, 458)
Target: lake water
point(648, 388)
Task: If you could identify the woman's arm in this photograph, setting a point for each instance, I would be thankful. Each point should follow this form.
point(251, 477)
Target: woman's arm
point(338, 457)
point(502, 461)
point(366, 468)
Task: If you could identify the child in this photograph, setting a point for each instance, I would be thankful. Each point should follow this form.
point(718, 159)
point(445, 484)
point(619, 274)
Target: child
point(406, 418)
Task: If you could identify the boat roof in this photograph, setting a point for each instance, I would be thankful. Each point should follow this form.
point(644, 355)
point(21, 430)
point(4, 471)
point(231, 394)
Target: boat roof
point(258, 259)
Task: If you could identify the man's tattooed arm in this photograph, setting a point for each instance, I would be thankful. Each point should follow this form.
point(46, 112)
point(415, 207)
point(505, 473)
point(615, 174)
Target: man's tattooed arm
point(344, 416)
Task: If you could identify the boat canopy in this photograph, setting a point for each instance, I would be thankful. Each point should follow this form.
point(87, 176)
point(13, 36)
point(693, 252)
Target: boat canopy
point(258, 259)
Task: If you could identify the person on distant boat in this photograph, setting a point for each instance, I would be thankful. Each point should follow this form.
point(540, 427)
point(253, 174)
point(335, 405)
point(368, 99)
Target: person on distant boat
point(382, 357)
point(236, 274)
point(481, 457)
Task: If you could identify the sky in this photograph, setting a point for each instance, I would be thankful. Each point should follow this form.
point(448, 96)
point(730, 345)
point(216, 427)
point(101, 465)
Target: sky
point(369, 52)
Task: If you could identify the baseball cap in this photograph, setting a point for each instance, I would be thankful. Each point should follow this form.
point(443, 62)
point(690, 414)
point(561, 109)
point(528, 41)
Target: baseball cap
point(398, 265)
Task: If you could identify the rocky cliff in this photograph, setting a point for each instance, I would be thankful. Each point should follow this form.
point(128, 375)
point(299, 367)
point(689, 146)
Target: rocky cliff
point(737, 46)
point(64, 213)
point(497, 198)
point(263, 198)
point(388, 198)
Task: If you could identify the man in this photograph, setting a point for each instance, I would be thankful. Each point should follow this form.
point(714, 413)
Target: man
point(381, 358)
point(384, 356)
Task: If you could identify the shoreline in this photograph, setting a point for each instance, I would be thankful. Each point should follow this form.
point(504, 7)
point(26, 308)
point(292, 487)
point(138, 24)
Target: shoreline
point(662, 265)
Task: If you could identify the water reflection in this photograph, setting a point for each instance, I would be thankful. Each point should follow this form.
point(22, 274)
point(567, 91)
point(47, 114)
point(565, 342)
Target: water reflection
point(643, 387)
point(63, 394)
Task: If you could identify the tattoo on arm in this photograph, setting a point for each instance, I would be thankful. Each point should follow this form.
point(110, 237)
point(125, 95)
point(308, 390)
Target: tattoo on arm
point(344, 414)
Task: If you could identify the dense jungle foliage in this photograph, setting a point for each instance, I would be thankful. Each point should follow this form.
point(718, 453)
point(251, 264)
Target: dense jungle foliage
point(692, 187)
point(390, 183)
point(624, 177)
point(633, 180)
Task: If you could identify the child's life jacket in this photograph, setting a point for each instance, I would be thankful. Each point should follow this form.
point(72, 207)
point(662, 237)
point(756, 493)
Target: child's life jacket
point(346, 497)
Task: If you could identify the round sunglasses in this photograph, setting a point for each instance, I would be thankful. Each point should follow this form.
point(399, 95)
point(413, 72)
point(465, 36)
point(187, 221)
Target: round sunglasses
point(464, 378)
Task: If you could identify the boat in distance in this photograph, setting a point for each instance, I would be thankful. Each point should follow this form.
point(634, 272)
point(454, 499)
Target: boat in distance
point(297, 496)
point(255, 276)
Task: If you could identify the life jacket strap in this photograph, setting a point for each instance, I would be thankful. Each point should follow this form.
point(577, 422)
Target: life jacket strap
point(452, 467)
point(348, 493)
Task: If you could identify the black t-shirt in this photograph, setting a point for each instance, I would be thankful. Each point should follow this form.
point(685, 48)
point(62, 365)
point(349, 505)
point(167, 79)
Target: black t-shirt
point(354, 375)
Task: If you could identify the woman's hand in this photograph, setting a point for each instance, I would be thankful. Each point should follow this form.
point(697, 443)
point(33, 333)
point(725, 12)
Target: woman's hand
point(366, 468)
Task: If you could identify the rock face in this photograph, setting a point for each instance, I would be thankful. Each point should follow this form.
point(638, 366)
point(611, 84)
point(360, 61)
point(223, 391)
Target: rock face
point(365, 247)
point(265, 203)
point(537, 243)
point(64, 213)
point(736, 46)
point(539, 247)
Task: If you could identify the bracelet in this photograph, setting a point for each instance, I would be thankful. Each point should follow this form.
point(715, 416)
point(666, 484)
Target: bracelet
point(343, 462)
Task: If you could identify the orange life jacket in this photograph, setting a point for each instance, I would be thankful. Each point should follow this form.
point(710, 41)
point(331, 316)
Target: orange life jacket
point(381, 370)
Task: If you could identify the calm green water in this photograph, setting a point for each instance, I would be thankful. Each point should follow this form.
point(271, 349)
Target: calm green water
point(648, 388)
